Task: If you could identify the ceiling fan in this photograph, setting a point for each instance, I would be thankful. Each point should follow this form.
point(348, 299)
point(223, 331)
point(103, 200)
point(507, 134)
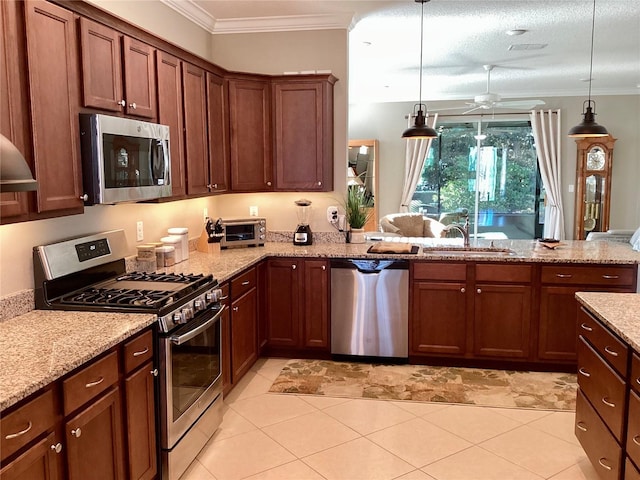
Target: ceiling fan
point(490, 100)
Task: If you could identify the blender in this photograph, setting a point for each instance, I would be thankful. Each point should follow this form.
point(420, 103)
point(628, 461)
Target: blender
point(302, 235)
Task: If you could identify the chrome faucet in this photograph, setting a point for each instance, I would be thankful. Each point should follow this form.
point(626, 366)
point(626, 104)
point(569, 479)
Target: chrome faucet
point(464, 230)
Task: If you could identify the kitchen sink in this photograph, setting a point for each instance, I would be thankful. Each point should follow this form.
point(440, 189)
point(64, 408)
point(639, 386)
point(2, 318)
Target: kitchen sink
point(469, 251)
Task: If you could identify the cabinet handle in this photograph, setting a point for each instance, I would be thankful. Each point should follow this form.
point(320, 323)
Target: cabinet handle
point(154, 372)
point(638, 380)
point(563, 275)
point(268, 184)
point(319, 184)
point(582, 371)
point(57, 447)
point(122, 103)
point(84, 197)
point(613, 353)
point(293, 267)
point(235, 309)
point(324, 267)
point(479, 290)
point(586, 327)
point(133, 105)
point(141, 352)
point(601, 462)
point(636, 440)
point(11, 436)
point(93, 384)
point(610, 277)
point(215, 185)
point(606, 401)
point(224, 298)
point(462, 290)
point(77, 432)
point(245, 283)
point(581, 426)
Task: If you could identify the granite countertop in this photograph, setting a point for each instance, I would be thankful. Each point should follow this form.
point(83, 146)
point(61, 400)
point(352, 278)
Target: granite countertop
point(619, 311)
point(41, 346)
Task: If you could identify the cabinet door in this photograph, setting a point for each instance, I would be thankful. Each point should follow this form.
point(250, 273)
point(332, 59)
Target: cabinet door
point(244, 335)
point(227, 376)
point(141, 424)
point(316, 303)
point(502, 321)
point(250, 136)
point(40, 462)
point(94, 440)
point(283, 302)
point(218, 138)
point(101, 66)
point(558, 337)
point(54, 93)
point(195, 128)
point(303, 148)
point(139, 78)
point(438, 318)
point(13, 100)
point(169, 72)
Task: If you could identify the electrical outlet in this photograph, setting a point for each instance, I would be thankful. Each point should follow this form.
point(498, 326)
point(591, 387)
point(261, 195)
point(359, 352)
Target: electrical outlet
point(139, 231)
point(332, 215)
point(253, 211)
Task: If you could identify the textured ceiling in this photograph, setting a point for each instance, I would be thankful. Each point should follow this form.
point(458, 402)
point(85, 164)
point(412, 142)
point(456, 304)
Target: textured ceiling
point(460, 36)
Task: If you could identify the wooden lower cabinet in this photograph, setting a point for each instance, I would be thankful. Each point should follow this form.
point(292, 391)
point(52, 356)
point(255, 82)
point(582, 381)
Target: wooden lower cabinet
point(42, 461)
point(243, 325)
point(94, 440)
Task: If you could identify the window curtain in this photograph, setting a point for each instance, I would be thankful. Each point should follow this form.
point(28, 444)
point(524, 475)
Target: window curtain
point(415, 154)
point(546, 134)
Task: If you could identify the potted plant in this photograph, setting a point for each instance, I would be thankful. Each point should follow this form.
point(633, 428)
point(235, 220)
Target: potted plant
point(357, 211)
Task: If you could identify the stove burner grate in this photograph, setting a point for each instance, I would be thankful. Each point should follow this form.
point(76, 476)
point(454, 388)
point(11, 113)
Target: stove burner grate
point(120, 297)
point(161, 277)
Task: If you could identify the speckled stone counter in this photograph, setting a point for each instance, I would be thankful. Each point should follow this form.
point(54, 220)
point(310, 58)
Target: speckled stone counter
point(619, 311)
point(39, 347)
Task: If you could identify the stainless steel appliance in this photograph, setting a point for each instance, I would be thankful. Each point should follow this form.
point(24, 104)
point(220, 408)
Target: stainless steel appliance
point(124, 160)
point(369, 308)
point(88, 273)
point(243, 232)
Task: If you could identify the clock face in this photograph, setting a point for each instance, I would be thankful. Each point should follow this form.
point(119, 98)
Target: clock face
point(595, 159)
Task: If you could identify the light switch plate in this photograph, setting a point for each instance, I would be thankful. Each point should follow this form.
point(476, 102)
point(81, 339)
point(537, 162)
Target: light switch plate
point(253, 211)
point(139, 231)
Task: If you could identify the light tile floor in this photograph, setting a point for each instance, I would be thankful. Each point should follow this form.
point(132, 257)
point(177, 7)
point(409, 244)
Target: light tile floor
point(266, 436)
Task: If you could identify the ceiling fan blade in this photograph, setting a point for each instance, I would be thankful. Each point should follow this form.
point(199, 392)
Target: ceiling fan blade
point(446, 109)
point(473, 109)
point(520, 103)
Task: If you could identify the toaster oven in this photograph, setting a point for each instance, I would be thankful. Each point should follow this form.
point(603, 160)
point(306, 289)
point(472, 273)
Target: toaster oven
point(243, 232)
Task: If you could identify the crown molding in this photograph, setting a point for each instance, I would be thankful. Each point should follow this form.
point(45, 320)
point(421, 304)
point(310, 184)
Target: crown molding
point(202, 18)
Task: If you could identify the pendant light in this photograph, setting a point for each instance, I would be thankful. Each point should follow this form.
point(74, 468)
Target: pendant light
point(15, 175)
point(588, 127)
point(420, 129)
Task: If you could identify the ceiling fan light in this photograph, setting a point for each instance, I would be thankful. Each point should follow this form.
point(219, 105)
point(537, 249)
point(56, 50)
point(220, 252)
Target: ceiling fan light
point(420, 129)
point(588, 128)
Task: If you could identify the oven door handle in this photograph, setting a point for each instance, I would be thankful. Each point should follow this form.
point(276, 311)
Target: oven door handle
point(180, 339)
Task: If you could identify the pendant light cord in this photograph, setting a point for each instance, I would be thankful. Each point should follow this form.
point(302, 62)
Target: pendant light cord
point(421, 43)
point(593, 28)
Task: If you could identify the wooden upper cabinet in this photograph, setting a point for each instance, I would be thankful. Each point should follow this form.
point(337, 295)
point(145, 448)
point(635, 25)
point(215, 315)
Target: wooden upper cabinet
point(195, 128)
point(250, 135)
point(117, 76)
point(14, 120)
point(54, 94)
point(218, 137)
point(169, 73)
point(303, 134)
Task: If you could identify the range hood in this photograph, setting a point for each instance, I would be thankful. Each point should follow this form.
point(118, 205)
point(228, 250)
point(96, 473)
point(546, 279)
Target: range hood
point(15, 175)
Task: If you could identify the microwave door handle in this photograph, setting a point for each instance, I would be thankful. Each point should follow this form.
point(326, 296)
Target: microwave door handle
point(179, 340)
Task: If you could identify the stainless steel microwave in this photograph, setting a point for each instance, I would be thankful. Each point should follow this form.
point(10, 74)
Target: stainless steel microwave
point(243, 232)
point(124, 160)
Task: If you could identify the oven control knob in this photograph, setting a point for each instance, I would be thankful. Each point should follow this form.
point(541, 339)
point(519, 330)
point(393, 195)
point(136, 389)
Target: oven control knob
point(177, 318)
point(214, 296)
point(199, 304)
point(187, 313)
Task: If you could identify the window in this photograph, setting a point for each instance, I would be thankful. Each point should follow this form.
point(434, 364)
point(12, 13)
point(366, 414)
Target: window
point(499, 188)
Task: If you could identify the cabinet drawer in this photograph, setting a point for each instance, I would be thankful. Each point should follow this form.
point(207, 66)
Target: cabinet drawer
point(630, 471)
point(89, 382)
point(602, 449)
point(27, 422)
point(243, 283)
point(633, 425)
point(588, 275)
point(603, 387)
point(503, 273)
point(606, 343)
point(440, 271)
point(225, 294)
point(635, 373)
point(138, 351)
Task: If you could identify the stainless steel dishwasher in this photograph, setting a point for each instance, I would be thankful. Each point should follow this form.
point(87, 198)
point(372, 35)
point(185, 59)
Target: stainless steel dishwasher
point(369, 307)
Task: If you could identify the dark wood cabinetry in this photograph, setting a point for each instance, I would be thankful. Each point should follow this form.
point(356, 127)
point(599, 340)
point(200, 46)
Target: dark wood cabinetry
point(217, 115)
point(251, 159)
point(41, 461)
point(558, 331)
point(118, 72)
point(303, 133)
point(195, 128)
point(244, 323)
point(52, 56)
point(299, 318)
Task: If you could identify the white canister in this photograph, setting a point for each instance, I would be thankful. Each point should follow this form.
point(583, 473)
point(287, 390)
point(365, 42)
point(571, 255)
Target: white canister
point(174, 241)
point(183, 233)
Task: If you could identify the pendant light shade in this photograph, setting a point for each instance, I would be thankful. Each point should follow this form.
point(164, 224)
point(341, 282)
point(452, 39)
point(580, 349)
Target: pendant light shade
point(15, 175)
point(420, 128)
point(588, 127)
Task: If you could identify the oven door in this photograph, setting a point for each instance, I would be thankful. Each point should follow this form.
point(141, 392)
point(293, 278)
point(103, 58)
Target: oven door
point(190, 373)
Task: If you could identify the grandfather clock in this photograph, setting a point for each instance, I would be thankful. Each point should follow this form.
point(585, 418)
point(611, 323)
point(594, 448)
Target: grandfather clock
point(593, 185)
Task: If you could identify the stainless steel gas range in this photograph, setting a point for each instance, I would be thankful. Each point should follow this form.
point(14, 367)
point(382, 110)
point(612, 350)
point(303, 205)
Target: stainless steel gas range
point(89, 273)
